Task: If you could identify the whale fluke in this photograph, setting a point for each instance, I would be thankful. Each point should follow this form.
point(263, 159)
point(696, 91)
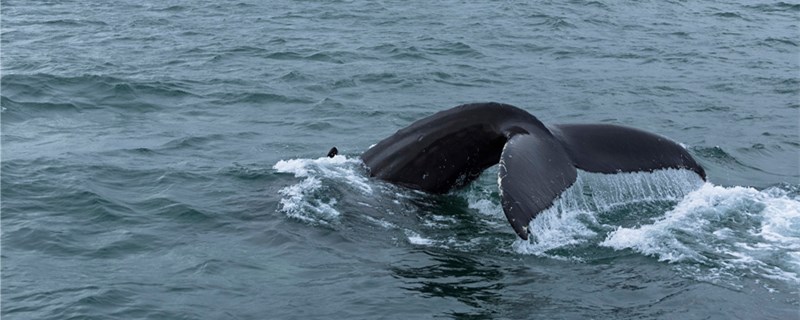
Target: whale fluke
point(606, 148)
point(451, 148)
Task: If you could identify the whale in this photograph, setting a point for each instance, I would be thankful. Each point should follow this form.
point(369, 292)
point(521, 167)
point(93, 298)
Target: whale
point(537, 163)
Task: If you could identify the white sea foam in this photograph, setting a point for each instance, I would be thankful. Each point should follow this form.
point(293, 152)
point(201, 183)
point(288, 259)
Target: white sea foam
point(731, 230)
point(485, 207)
point(438, 221)
point(417, 239)
point(338, 167)
point(382, 223)
point(554, 229)
point(305, 199)
point(294, 202)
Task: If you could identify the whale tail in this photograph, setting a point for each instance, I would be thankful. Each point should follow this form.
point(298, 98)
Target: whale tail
point(451, 148)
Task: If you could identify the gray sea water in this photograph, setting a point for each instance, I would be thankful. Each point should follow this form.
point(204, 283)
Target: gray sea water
point(165, 160)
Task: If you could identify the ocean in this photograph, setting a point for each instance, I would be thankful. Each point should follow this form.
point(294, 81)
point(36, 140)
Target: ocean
point(166, 160)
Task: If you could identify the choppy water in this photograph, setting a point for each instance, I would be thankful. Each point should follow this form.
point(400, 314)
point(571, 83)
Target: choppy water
point(162, 160)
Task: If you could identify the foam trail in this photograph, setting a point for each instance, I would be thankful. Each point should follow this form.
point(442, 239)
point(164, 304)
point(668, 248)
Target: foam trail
point(307, 200)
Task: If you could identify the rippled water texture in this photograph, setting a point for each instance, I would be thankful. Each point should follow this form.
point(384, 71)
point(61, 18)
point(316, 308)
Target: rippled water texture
point(164, 160)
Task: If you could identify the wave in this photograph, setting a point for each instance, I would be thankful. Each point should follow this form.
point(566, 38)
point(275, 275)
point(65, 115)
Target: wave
point(30, 95)
point(259, 98)
point(776, 7)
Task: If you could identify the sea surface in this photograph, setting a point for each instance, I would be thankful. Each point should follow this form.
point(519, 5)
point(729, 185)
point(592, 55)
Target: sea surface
point(166, 160)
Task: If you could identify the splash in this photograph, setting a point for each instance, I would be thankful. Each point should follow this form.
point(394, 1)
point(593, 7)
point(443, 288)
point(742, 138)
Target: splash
point(573, 218)
point(309, 200)
point(604, 192)
point(709, 232)
point(727, 230)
